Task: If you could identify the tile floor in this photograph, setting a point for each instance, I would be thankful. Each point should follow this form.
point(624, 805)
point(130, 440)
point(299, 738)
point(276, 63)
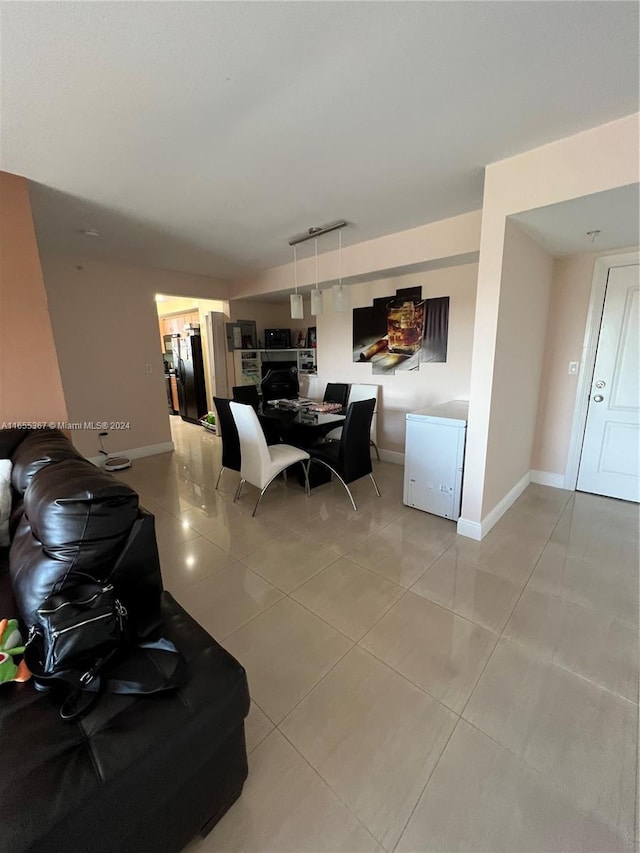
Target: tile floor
point(413, 690)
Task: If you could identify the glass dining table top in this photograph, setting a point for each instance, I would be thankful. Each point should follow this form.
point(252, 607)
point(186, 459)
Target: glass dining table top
point(302, 416)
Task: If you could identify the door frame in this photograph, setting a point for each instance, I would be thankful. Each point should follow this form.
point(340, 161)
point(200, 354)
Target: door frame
point(588, 358)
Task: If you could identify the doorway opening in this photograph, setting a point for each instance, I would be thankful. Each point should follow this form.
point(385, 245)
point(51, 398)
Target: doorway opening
point(193, 345)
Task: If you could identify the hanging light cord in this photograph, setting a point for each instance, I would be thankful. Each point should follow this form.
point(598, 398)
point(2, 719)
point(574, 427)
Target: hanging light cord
point(295, 269)
point(340, 256)
point(316, 242)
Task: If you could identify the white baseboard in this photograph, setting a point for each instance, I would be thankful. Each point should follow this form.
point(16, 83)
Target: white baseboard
point(135, 452)
point(475, 530)
point(393, 456)
point(470, 529)
point(546, 478)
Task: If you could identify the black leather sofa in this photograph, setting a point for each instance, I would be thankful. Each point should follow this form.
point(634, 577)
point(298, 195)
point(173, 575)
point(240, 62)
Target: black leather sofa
point(136, 773)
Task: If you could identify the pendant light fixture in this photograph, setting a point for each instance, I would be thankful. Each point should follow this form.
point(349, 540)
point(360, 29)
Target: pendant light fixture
point(316, 293)
point(297, 308)
point(340, 302)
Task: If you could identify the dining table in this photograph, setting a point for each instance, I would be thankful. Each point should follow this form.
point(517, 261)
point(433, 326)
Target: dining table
point(300, 427)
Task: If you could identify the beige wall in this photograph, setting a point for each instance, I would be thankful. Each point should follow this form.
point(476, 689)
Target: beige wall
point(30, 383)
point(593, 161)
point(404, 392)
point(525, 287)
point(174, 304)
point(271, 315)
point(457, 237)
point(568, 308)
point(105, 325)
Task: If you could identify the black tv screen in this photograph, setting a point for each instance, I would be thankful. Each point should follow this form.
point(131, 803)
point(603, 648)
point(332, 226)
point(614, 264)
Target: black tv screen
point(277, 338)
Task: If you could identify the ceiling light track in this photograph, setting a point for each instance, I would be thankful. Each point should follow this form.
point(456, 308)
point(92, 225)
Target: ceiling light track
point(316, 232)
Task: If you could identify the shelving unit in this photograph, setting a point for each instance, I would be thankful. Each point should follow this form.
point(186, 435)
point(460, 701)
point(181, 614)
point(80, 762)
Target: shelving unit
point(306, 360)
point(248, 363)
point(247, 366)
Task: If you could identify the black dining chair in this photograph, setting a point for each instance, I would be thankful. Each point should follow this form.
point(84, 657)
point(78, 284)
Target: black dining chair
point(350, 458)
point(246, 394)
point(336, 392)
point(229, 434)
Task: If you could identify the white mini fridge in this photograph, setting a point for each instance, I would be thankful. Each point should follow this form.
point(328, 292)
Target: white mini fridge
point(434, 458)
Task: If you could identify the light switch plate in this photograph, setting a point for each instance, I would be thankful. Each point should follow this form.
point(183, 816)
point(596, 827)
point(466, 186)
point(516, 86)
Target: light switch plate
point(573, 367)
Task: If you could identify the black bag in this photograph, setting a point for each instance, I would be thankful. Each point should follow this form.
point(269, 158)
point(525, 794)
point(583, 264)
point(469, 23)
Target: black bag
point(82, 627)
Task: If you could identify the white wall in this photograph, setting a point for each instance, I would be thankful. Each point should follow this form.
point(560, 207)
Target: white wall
point(404, 391)
point(526, 284)
point(105, 325)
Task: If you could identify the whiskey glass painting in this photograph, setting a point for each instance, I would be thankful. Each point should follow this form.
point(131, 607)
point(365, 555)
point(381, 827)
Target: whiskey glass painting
point(405, 325)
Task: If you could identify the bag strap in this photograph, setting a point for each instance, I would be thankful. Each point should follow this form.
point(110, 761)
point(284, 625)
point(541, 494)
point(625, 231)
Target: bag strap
point(133, 533)
point(147, 680)
point(152, 680)
point(131, 536)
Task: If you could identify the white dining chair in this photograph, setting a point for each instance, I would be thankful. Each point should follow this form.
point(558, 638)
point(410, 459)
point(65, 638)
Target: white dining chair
point(261, 463)
point(356, 394)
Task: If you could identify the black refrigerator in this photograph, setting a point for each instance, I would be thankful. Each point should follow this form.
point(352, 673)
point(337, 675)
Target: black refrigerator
point(192, 395)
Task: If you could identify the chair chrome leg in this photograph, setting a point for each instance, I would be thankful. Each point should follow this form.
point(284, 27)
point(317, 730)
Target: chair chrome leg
point(263, 491)
point(375, 447)
point(375, 485)
point(305, 468)
point(333, 471)
point(258, 501)
point(219, 475)
point(239, 490)
point(353, 503)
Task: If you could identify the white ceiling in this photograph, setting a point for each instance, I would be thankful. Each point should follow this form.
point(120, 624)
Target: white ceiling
point(562, 229)
point(200, 136)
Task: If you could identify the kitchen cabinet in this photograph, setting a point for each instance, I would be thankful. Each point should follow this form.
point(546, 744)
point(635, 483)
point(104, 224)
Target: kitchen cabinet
point(173, 324)
point(174, 393)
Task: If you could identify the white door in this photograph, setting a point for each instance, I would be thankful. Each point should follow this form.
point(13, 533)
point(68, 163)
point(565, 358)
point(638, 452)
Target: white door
point(610, 461)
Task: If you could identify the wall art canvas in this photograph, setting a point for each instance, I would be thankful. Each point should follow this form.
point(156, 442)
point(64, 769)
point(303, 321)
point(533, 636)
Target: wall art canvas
point(399, 332)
